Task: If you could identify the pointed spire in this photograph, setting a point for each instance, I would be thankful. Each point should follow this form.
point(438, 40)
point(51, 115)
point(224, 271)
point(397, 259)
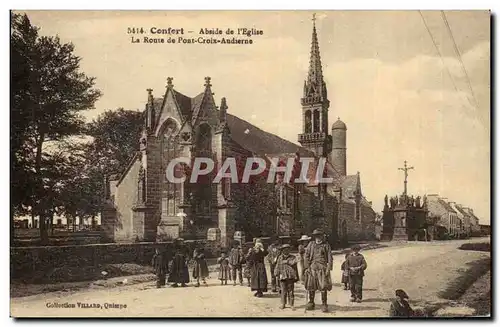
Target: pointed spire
point(223, 110)
point(150, 108)
point(314, 85)
point(315, 70)
point(150, 95)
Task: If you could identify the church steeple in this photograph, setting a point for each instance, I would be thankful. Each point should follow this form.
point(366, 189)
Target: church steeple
point(315, 104)
point(315, 87)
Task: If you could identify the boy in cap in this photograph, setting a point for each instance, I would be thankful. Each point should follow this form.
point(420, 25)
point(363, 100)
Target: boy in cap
point(272, 257)
point(356, 264)
point(286, 273)
point(318, 264)
point(236, 262)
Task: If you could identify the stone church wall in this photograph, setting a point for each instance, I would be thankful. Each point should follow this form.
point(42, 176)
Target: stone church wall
point(125, 197)
point(358, 229)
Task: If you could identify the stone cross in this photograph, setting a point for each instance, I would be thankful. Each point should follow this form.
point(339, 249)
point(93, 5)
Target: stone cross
point(405, 169)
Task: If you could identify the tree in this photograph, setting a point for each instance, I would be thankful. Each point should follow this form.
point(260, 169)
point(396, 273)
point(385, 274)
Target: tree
point(114, 141)
point(48, 94)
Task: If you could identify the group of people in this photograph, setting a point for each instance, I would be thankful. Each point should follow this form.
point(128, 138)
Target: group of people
point(176, 265)
point(312, 267)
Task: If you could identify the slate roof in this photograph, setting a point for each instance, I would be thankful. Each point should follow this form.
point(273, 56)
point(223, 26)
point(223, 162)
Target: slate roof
point(186, 104)
point(349, 184)
point(446, 205)
point(461, 210)
point(259, 141)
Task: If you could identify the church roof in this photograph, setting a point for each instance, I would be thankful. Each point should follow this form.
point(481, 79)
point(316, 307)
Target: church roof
point(339, 124)
point(349, 185)
point(259, 141)
point(186, 104)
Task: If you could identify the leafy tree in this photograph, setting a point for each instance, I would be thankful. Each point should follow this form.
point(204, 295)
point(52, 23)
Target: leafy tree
point(114, 140)
point(48, 94)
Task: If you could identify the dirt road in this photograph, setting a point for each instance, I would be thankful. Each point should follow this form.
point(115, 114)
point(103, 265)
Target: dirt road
point(422, 269)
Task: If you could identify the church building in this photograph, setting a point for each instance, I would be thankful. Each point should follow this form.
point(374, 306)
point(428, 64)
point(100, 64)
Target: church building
point(143, 205)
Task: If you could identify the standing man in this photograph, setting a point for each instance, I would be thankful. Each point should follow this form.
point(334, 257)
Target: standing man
point(160, 265)
point(356, 264)
point(272, 259)
point(318, 264)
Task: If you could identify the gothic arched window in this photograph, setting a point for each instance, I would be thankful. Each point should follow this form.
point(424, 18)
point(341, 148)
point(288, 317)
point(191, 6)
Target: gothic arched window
point(204, 138)
point(316, 121)
point(204, 183)
point(170, 191)
point(308, 122)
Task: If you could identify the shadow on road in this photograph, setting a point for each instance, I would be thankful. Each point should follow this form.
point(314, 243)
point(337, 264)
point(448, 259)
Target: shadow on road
point(332, 308)
point(374, 300)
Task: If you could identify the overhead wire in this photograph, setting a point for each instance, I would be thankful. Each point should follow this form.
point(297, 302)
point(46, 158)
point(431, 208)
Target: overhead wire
point(437, 49)
point(459, 55)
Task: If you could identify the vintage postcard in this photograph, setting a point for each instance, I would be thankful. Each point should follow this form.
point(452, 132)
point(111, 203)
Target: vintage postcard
point(314, 164)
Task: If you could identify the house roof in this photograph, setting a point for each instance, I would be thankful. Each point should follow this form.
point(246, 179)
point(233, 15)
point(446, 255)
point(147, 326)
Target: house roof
point(446, 205)
point(461, 210)
point(471, 213)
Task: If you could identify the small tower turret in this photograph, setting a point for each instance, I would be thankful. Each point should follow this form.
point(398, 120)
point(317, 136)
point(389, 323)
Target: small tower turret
point(338, 157)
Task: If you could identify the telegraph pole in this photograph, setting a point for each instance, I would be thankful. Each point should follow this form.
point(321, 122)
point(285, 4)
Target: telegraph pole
point(405, 169)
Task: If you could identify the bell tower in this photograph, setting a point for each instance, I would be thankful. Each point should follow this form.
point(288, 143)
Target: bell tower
point(315, 104)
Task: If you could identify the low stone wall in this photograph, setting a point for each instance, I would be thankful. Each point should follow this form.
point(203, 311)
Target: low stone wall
point(26, 261)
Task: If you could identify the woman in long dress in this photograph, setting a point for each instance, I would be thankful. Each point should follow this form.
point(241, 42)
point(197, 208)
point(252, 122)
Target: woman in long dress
point(303, 241)
point(258, 274)
point(179, 272)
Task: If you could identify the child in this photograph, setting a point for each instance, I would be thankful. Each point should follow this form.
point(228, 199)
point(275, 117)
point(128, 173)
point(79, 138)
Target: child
point(200, 270)
point(160, 265)
point(345, 273)
point(224, 271)
point(287, 274)
point(400, 306)
point(246, 271)
point(356, 264)
point(235, 263)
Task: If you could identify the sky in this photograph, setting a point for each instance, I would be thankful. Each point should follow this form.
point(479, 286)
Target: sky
point(400, 99)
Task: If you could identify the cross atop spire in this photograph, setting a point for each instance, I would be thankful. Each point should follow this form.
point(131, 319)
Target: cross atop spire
point(314, 19)
point(169, 82)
